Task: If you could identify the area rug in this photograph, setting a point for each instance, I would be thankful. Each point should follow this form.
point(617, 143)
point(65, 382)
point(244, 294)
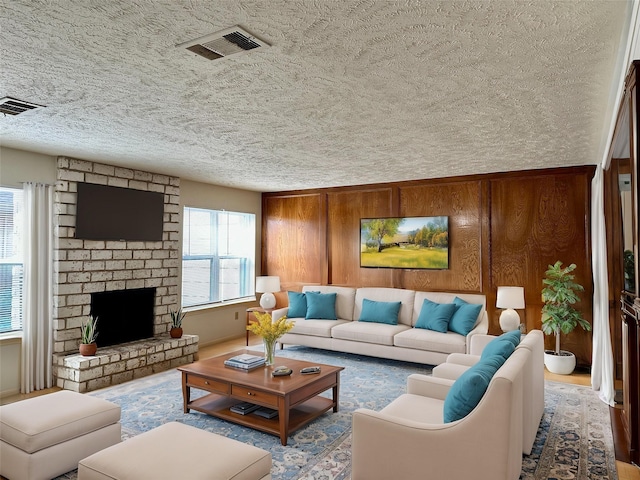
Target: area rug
point(574, 440)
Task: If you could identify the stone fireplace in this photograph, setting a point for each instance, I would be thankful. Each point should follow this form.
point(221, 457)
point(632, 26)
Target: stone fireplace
point(86, 272)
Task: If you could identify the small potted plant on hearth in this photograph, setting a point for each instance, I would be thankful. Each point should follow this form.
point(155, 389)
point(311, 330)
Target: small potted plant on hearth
point(89, 333)
point(176, 323)
point(559, 294)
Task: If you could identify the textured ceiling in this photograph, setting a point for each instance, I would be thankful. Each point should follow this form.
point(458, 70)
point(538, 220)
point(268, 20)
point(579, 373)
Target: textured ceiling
point(351, 92)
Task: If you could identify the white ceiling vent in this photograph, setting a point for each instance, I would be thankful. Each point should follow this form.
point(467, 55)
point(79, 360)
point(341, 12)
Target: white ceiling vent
point(225, 43)
point(13, 106)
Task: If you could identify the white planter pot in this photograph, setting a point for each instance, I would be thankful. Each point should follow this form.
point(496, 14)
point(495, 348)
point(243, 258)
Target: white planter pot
point(562, 364)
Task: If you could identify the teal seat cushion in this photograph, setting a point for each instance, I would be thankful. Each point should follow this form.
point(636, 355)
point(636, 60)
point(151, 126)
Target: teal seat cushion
point(297, 305)
point(467, 391)
point(435, 316)
point(321, 306)
point(504, 345)
point(465, 316)
point(380, 312)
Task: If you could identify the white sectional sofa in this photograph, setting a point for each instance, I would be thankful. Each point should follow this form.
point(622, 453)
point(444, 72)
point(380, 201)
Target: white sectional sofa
point(400, 341)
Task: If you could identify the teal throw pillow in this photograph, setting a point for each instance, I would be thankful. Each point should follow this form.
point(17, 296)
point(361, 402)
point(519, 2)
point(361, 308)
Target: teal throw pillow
point(435, 316)
point(465, 316)
point(467, 391)
point(379, 312)
point(321, 306)
point(504, 345)
point(297, 305)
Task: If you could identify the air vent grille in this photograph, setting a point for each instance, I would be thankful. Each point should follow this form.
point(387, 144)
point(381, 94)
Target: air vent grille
point(222, 44)
point(13, 106)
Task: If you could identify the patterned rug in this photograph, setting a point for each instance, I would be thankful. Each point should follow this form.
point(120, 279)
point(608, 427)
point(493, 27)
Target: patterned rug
point(574, 440)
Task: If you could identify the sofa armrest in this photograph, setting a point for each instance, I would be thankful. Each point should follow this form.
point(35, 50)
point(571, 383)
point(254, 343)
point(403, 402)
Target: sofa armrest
point(480, 329)
point(478, 342)
point(428, 386)
point(465, 359)
point(279, 313)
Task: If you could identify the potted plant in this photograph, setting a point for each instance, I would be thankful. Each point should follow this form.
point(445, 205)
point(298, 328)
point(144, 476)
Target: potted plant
point(270, 331)
point(559, 294)
point(176, 323)
point(89, 333)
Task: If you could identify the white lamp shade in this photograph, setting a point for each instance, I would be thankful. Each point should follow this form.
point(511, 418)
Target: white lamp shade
point(268, 284)
point(510, 297)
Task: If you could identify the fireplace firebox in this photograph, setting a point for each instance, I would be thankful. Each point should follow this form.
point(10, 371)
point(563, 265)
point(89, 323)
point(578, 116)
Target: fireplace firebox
point(124, 315)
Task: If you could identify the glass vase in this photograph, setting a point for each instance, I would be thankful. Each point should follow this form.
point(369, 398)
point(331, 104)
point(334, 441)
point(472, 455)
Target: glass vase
point(269, 351)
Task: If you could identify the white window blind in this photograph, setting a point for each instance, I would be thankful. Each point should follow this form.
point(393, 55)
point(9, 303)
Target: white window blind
point(11, 260)
point(218, 257)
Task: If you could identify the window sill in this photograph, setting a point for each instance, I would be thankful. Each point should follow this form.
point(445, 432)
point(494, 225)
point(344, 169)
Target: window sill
point(11, 337)
point(228, 303)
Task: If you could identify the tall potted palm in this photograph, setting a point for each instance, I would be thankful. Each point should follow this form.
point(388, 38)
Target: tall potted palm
point(559, 294)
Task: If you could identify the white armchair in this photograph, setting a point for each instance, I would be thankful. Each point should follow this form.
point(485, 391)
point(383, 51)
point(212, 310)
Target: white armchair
point(408, 439)
point(533, 385)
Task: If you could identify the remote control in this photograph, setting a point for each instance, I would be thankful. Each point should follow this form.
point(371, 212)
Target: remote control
point(310, 370)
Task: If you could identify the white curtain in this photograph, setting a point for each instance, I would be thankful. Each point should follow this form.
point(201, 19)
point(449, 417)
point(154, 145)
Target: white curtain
point(602, 358)
point(37, 321)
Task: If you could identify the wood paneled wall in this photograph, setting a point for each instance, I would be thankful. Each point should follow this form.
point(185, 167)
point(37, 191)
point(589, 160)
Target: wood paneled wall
point(504, 229)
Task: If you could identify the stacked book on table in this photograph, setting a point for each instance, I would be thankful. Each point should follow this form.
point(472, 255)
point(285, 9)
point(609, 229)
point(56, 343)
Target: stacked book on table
point(245, 361)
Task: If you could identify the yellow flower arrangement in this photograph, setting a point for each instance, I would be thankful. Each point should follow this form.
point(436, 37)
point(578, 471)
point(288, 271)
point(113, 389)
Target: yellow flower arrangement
point(269, 330)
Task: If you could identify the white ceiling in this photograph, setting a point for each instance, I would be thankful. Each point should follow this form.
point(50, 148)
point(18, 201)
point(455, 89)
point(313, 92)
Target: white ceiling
point(351, 92)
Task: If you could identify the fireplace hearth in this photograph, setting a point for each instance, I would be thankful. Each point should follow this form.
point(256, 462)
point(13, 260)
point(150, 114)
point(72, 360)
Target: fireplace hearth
point(123, 315)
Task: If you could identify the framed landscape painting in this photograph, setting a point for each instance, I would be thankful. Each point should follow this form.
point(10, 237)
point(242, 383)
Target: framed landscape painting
point(405, 242)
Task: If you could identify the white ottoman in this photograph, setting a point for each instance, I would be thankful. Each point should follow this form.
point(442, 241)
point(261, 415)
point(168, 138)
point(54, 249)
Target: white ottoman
point(46, 436)
point(177, 451)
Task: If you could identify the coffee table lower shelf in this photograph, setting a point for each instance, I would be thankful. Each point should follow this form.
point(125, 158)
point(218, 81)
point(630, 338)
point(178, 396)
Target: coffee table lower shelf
point(218, 406)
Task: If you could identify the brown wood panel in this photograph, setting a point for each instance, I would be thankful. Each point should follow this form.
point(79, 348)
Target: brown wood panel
point(461, 202)
point(536, 221)
point(345, 209)
point(294, 238)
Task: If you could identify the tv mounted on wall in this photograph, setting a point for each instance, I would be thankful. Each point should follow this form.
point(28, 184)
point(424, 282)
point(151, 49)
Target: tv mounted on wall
point(405, 242)
point(115, 213)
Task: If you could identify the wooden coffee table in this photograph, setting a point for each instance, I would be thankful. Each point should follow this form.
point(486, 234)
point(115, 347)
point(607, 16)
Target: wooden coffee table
point(296, 397)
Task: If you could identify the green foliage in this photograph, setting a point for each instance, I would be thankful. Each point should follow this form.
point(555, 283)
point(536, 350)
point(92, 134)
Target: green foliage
point(379, 228)
point(89, 331)
point(559, 294)
point(176, 318)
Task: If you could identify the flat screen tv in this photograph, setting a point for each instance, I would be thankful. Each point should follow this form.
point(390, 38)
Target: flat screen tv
point(115, 213)
point(405, 242)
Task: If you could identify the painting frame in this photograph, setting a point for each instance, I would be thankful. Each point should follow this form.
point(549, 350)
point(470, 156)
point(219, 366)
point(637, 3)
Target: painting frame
point(416, 243)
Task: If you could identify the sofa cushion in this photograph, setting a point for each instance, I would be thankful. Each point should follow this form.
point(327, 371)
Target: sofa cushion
point(435, 316)
point(316, 328)
point(379, 312)
point(345, 297)
point(416, 408)
point(297, 305)
point(467, 391)
point(465, 316)
point(406, 297)
point(321, 306)
point(503, 345)
point(422, 339)
point(379, 333)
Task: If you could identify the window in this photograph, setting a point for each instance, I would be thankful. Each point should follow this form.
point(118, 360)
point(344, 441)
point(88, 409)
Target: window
point(11, 271)
point(218, 258)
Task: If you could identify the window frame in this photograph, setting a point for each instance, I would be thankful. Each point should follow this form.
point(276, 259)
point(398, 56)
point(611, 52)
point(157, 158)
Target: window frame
point(246, 273)
point(18, 224)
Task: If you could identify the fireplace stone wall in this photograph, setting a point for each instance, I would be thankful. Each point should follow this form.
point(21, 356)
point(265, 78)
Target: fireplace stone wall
point(85, 266)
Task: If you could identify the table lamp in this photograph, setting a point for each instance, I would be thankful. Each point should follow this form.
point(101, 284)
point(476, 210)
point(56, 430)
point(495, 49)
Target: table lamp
point(510, 298)
point(267, 285)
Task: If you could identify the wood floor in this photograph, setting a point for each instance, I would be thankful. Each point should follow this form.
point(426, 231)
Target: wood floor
point(626, 471)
